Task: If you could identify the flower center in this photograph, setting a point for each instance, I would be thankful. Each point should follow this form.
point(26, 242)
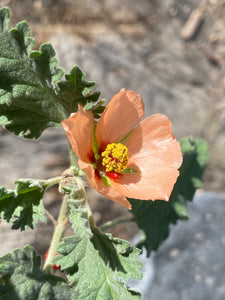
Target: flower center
point(115, 157)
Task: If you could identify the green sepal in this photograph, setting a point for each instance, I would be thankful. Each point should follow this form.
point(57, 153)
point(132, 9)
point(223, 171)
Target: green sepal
point(95, 145)
point(105, 179)
point(125, 137)
point(128, 171)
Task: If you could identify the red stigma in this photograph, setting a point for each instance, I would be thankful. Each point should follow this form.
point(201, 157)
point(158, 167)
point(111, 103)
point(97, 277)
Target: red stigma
point(112, 175)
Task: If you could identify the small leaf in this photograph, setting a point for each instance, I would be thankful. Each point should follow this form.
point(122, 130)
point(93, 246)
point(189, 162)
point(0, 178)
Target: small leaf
point(88, 106)
point(24, 206)
point(96, 108)
point(22, 278)
point(154, 218)
point(75, 90)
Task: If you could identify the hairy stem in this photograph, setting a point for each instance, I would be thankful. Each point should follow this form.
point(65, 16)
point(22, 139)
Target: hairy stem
point(63, 218)
point(58, 233)
point(83, 195)
point(117, 221)
point(60, 225)
point(73, 159)
point(52, 181)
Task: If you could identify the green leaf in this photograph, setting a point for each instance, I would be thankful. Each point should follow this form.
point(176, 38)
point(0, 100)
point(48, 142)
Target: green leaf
point(154, 218)
point(76, 90)
point(24, 206)
point(97, 265)
point(96, 108)
point(78, 217)
point(22, 278)
point(31, 98)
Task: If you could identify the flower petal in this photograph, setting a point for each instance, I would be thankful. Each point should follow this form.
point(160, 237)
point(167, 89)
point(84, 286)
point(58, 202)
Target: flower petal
point(157, 186)
point(121, 115)
point(98, 185)
point(157, 155)
point(80, 132)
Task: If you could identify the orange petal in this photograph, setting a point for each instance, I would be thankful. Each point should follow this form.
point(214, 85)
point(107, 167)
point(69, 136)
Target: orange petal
point(157, 186)
point(80, 130)
point(157, 155)
point(98, 185)
point(121, 115)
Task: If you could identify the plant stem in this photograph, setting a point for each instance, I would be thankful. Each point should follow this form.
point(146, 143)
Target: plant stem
point(73, 159)
point(117, 221)
point(52, 181)
point(58, 233)
point(90, 216)
point(61, 223)
point(83, 195)
point(51, 217)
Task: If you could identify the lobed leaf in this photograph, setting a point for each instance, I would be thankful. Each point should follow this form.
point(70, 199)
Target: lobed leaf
point(31, 98)
point(24, 206)
point(22, 278)
point(154, 218)
point(97, 265)
point(76, 90)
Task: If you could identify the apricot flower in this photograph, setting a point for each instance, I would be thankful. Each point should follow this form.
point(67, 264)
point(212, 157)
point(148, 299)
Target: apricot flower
point(122, 157)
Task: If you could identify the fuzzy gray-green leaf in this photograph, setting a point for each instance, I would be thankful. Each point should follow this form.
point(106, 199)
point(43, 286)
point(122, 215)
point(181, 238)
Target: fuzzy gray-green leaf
point(110, 260)
point(91, 254)
point(31, 98)
point(23, 206)
point(22, 278)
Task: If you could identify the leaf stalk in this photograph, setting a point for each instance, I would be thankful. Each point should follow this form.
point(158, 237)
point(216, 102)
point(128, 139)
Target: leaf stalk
point(58, 233)
point(52, 181)
point(116, 221)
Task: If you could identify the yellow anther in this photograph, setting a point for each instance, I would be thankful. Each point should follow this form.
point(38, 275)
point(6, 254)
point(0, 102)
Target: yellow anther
point(115, 157)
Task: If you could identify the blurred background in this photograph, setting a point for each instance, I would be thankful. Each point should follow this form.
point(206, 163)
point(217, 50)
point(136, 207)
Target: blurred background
point(172, 52)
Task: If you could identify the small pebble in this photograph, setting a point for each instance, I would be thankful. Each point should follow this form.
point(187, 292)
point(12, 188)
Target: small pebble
point(209, 217)
point(174, 253)
point(198, 278)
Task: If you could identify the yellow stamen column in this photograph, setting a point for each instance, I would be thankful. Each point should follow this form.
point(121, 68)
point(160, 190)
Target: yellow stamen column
point(115, 157)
